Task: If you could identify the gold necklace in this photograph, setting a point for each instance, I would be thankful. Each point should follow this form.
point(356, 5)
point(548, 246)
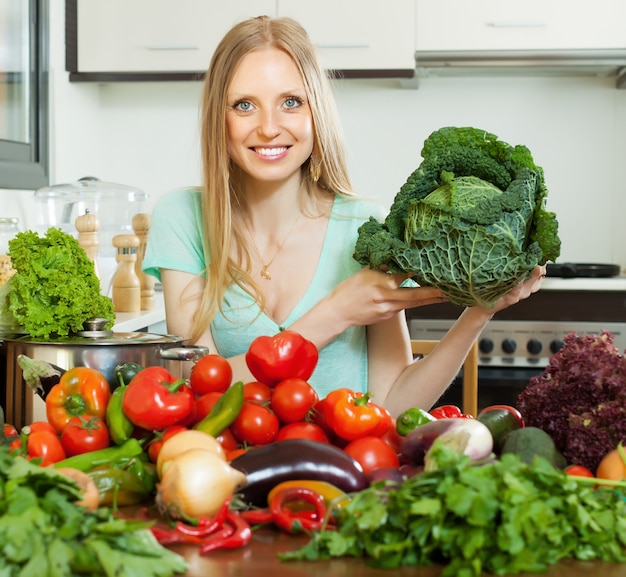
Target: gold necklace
point(264, 267)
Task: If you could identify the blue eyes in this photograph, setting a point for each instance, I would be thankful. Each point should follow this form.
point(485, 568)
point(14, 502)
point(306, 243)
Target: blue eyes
point(290, 103)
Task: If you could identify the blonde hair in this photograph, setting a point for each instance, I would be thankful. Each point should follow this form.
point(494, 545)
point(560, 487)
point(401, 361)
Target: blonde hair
point(221, 192)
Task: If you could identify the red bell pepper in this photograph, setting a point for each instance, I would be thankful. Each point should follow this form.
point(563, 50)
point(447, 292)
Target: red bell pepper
point(352, 415)
point(155, 399)
point(449, 412)
point(82, 391)
point(286, 355)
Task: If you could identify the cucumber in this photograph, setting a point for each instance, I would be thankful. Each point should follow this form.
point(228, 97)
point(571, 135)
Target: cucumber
point(500, 423)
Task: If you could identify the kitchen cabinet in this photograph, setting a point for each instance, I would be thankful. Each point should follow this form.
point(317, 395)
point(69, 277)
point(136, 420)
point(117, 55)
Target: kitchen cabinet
point(163, 36)
point(512, 25)
point(174, 39)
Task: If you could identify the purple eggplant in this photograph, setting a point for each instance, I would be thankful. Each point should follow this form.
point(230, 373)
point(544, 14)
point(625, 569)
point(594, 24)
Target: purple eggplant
point(466, 436)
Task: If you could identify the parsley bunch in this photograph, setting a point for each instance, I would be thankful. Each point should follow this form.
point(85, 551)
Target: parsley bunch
point(42, 531)
point(502, 517)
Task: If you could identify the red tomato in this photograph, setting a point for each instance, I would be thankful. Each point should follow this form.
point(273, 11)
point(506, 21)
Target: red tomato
point(509, 408)
point(578, 471)
point(255, 424)
point(204, 404)
point(42, 444)
point(230, 455)
point(155, 446)
point(10, 431)
point(392, 437)
point(211, 373)
point(84, 434)
point(292, 399)
point(227, 440)
point(372, 453)
point(256, 391)
point(302, 430)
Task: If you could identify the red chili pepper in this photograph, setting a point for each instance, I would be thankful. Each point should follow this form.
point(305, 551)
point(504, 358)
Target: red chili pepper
point(257, 516)
point(236, 532)
point(447, 412)
point(206, 525)
point(284, 356)
point(170, 536)
point(293, 523)
point(155, 399)
point(353, 415)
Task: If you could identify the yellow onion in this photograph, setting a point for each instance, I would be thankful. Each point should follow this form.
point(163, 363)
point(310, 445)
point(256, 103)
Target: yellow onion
point(184, 441)
point(195, 484)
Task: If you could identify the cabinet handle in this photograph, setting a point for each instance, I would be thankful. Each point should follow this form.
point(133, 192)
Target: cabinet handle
point(172, 47)
point(517, 24)
point(343, 45)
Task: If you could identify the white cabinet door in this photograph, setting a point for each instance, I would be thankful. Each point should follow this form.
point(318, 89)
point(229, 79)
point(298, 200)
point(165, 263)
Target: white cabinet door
point(156, 35)
point(520, 25)
point(358, 35)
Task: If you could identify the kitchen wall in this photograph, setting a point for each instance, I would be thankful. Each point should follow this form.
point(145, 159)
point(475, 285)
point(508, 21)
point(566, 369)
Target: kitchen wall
point(146, 135)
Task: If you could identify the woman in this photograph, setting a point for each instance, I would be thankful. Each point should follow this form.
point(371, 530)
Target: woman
point(266, 243)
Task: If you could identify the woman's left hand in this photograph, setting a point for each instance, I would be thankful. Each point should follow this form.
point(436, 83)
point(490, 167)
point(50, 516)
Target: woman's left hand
point(521, 291)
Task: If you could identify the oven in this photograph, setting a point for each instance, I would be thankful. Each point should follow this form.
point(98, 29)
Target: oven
point(518, 342)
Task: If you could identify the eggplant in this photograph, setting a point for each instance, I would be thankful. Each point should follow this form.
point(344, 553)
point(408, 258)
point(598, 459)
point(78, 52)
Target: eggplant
point(39, 375)
point(292, 459)
point(466, 436)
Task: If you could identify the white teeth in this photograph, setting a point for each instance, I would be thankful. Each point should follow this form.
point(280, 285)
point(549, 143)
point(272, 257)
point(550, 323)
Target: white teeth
point(270, 151)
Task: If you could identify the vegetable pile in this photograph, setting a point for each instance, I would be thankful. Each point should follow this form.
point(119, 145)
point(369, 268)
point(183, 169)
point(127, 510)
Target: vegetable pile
point(580, 398)
point(503, 517)
point(55, 289)
point(43, 531)
point(470, 220)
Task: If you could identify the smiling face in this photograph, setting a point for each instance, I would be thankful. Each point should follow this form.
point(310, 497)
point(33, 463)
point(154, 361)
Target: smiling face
point(268, 119)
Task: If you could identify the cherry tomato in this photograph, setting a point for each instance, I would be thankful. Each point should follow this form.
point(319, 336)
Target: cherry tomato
point(155, 446)
point(372, 453)
point(84, 434)
point(227, 440)
point(509, 408)
point(211, 373)
point(204, 404)
point(256, 391)
point(578, 471)
point(613, 465)
point(302, 430)
point(255, 424)
point(292, 399)
point(10, 431)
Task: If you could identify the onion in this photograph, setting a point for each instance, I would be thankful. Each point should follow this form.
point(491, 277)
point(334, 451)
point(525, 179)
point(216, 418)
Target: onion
point(195, 484)
point(91, 496)
point(184, 441)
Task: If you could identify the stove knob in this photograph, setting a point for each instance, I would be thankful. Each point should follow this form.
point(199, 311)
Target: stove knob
point(509, 346)
point(556, 345)
point(485, 346)
point(534, 346)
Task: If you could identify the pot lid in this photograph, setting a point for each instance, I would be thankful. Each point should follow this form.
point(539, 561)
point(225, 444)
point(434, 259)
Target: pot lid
point(106, 338)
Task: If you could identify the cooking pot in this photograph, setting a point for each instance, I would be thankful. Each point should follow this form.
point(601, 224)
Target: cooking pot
point(100, 350)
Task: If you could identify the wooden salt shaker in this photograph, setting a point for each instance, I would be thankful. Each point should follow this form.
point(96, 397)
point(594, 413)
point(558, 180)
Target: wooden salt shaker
point(125, 283)
point(141, 226)
point(87, 226)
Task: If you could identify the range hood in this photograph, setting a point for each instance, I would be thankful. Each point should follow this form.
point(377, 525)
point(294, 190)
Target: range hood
point(589, 62)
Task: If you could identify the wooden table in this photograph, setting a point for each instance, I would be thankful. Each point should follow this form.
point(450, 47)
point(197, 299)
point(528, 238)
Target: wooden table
point(258, 559)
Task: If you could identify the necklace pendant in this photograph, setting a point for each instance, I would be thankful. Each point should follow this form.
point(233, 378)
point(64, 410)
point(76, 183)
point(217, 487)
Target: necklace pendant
point(265, 274)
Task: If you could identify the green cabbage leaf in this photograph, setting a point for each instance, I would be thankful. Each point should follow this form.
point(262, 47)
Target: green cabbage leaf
point(470, 220)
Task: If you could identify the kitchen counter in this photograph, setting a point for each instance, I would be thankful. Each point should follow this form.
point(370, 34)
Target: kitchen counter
point(259, 559)
point(152, 321)
point(617, 283)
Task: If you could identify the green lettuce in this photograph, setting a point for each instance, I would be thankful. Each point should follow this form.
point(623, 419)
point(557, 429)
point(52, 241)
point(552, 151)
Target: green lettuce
point(470, 220)
point(54, 289)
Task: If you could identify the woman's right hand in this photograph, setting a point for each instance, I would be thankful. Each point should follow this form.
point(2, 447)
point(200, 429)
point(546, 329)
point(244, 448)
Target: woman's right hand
point(370, 296)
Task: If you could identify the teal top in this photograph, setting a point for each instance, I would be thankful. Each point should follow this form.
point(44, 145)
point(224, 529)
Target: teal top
point(175, 242)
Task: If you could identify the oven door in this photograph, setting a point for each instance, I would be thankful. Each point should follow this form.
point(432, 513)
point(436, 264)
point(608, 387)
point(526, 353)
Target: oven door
point(496, 386)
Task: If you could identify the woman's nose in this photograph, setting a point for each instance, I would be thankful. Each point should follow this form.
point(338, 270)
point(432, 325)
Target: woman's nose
point(269, 126)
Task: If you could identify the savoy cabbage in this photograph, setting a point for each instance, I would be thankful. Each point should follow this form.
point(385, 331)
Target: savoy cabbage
point(470, 220)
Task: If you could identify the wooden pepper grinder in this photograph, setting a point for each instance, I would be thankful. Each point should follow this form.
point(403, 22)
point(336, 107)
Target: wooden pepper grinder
point(87, 226)
point(125, 283)
point(141, 226)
